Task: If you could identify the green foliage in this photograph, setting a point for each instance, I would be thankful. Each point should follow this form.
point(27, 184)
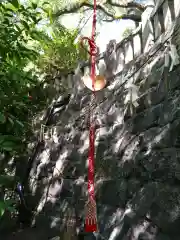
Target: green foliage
point(16, 29)
point(26, 51)
point(17, 25)
point(6, 205)
point(60, 52)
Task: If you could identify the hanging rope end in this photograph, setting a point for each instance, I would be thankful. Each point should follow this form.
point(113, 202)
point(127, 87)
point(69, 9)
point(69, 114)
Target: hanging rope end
point(91, 216)
point(91, 227)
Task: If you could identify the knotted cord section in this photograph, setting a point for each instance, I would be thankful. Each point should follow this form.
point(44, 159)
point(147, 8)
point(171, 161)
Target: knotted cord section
point(90, 208)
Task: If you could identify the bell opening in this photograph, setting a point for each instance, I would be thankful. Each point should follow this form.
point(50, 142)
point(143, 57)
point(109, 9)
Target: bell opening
point(100, 82)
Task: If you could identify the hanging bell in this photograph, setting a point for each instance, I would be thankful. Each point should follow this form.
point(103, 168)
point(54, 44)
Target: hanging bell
point(99, 84)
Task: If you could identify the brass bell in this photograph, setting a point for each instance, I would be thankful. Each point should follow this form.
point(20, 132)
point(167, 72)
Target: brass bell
point(99, 84)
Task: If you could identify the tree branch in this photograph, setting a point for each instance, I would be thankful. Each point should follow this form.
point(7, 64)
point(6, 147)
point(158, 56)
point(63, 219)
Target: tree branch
point(74, 7)
point(125, 17)
point(126, 5)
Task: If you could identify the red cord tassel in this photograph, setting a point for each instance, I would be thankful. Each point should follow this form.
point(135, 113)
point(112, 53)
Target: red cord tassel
point(90, 211)
point(91, 216)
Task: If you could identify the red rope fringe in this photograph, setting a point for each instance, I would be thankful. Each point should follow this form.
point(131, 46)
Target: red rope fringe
point(90, 211)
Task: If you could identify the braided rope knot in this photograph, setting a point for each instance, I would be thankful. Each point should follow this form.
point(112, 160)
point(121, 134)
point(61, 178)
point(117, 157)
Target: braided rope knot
point(92, 45)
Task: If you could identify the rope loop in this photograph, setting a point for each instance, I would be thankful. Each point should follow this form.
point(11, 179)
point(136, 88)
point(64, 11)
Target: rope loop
point(92, 45)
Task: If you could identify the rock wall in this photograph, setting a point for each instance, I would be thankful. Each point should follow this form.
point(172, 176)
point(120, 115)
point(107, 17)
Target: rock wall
point(137, 152)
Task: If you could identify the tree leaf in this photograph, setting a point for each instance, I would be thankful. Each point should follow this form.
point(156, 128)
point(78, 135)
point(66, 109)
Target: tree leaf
point(2, 118)
point(10, 15)
point(25, 24)
point(6, 205)
point(38, 20)
point(8, 146)
point(45, 3)
point(2, 208)
point(20, 123)
point(34, 5)
point(11, 120)
point(18, 28)
point(15, 3)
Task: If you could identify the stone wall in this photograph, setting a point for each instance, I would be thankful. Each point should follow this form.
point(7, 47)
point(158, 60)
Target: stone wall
point(137, 152)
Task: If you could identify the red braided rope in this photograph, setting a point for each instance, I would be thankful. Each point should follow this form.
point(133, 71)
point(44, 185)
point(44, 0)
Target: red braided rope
point(91, 218)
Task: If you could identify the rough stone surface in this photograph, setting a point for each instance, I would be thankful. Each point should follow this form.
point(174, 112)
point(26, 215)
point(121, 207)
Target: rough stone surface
point(137, 162)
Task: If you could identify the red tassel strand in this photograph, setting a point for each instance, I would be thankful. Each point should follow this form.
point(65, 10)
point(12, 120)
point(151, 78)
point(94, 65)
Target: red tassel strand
point(90, 211)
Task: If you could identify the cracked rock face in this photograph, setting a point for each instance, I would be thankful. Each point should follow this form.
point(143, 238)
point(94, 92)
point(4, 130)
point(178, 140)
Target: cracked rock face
point(137, 161)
